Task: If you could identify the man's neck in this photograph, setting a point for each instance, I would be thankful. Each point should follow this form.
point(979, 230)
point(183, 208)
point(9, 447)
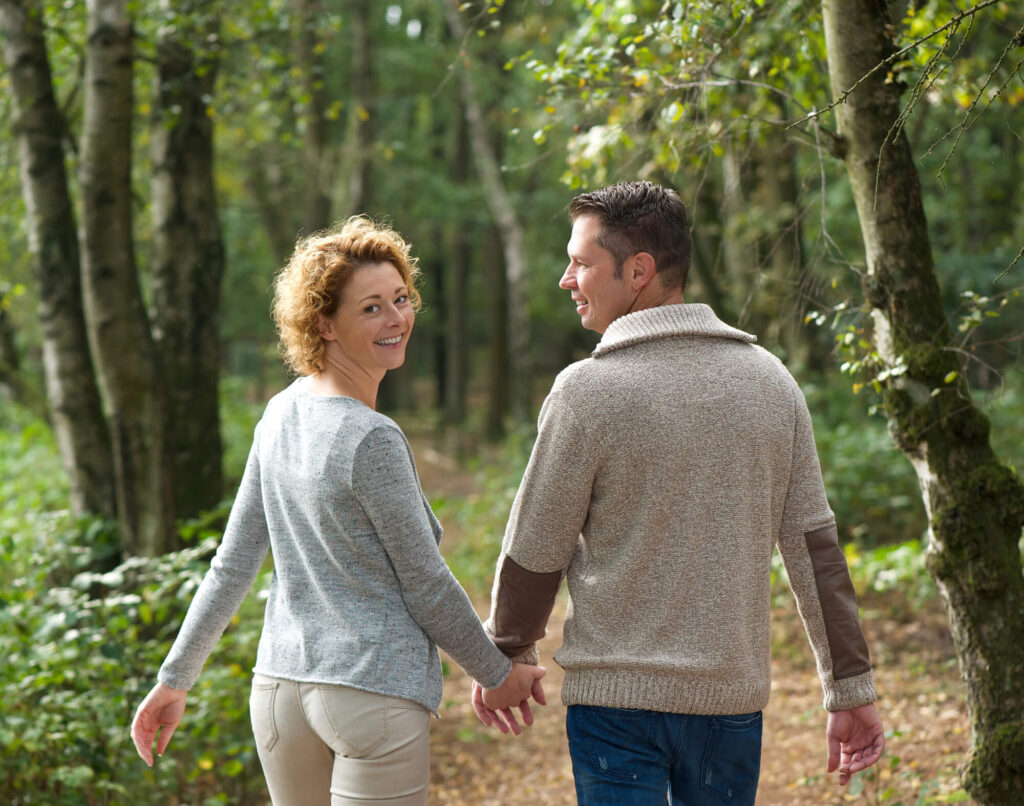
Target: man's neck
point(656, 297)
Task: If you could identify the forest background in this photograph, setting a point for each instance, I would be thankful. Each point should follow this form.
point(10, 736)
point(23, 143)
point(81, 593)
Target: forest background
point(853, 172)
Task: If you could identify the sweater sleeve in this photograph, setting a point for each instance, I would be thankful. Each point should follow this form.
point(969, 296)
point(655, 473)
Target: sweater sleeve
point(820, 578)
point(543, 531)
point(232, 571)
point(385, 482)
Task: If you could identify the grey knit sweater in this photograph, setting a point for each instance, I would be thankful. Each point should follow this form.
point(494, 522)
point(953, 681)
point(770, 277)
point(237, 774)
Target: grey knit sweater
point(667, 468)
point(360, 593)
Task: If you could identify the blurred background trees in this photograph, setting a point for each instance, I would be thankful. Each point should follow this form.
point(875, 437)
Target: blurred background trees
point(158, 161)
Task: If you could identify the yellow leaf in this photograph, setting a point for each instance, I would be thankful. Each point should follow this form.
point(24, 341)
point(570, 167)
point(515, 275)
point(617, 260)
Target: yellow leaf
point(362, 113)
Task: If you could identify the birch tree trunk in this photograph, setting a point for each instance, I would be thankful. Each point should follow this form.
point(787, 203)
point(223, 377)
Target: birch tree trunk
point(188, 264)
point(118, 330)
point(509, 227)
point(74, 399)
point(975, 503)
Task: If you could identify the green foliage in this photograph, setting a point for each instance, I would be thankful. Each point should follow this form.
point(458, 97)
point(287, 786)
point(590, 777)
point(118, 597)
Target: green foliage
point(481, 516)
point(81, 645)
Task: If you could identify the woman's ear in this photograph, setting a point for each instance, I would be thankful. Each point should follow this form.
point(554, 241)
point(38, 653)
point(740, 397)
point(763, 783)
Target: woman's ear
point(324, 326)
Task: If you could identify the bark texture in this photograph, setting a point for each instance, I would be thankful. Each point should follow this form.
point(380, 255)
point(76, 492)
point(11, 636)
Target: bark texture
point(188, 265)
point(74, 398)
point(510, 229)
point(118, 329)
point(975, 502)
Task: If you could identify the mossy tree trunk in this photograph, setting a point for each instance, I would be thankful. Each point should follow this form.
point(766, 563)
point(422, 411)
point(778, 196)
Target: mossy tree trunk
point(188, 263)
point(975, 502)
point(74, 398)
point(119, 335)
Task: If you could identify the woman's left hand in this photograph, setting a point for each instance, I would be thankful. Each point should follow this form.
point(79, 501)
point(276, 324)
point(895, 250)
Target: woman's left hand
point(163, 708)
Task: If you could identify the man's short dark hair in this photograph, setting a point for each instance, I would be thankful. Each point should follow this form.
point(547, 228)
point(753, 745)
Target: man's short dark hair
point(641, 217)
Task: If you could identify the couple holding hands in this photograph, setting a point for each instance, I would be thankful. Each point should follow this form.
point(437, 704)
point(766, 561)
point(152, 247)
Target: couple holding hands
point(668, 466)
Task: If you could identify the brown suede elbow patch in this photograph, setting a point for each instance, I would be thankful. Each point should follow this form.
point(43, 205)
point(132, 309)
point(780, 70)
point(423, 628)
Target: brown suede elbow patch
point(525, 599)
point(846, 643)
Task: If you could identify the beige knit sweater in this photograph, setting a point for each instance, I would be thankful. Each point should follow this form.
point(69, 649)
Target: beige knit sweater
point(667, 468)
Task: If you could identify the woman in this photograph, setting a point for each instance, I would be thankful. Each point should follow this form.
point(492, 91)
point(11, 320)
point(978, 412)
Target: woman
point(346, 673)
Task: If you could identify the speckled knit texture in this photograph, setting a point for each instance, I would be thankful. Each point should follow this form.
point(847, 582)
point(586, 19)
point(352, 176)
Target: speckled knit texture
point(360, 594)
point(667, 468)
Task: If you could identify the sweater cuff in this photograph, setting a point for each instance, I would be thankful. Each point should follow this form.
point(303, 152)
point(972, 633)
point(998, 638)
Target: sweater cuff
point(851, 692)
point(176, 682)
point(499, 677)
point(528, 654)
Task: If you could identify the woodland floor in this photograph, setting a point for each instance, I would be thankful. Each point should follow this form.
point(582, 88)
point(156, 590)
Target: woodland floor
point(921, 703)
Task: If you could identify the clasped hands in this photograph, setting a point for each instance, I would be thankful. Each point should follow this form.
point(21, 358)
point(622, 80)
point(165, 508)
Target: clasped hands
point(493, 706)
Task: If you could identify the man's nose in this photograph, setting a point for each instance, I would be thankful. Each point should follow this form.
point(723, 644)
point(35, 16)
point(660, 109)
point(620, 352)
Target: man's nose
point(568, 278)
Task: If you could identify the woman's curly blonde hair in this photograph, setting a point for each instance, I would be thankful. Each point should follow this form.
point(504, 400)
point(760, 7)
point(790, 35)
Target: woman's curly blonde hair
point(311, 283)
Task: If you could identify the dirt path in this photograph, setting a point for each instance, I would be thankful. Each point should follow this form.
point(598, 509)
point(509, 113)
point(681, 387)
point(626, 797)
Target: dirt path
point(916, 676)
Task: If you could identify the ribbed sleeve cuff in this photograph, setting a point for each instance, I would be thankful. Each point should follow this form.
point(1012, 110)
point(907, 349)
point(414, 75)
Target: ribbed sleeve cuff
point(841, 695)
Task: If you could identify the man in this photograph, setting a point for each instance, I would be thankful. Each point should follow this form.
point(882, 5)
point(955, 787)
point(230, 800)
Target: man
point(667, 468)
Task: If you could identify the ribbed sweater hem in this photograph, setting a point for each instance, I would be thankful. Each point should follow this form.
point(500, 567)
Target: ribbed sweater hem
point(660, 691)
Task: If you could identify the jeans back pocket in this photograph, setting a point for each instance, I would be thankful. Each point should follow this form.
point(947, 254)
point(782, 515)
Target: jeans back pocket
point(732, 758)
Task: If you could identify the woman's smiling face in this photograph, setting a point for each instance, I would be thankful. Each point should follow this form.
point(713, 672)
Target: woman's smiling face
point(372, 323)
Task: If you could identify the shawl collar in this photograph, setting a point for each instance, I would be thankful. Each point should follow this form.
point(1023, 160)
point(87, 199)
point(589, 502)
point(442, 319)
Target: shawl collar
point(664, 321)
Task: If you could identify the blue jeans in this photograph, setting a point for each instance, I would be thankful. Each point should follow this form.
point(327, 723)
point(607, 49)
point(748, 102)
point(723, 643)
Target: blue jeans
point(626, 757)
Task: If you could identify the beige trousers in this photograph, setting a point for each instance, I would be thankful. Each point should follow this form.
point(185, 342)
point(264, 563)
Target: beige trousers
point(324, 745)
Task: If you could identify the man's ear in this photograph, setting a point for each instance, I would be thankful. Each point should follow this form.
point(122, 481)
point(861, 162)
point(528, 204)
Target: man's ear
point(324, 326)
point(644, 270)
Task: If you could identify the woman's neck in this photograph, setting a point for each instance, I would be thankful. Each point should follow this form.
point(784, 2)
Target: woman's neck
point(341, 377)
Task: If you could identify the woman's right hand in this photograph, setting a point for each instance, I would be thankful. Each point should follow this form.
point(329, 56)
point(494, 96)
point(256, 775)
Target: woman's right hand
point(163, 708)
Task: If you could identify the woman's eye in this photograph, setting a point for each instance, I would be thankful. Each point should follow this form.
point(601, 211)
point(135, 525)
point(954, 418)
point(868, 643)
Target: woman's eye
point(402, 299)
point(371, 309)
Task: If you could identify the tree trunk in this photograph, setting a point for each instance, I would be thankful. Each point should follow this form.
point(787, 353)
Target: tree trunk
point(309, 59)
point(118, 331)
point(975, 502)
point(76, 410)
point(777, 193)
point(706, 225)
point(12, 382)
point(456, 346)
point(188, 264)
point(739, 248)
point(509, 228)
point(265, 182)
point(362, 104)
point(497, 341)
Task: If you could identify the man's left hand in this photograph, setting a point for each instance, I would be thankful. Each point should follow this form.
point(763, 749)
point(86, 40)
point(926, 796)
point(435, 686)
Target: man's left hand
point(855, 740)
